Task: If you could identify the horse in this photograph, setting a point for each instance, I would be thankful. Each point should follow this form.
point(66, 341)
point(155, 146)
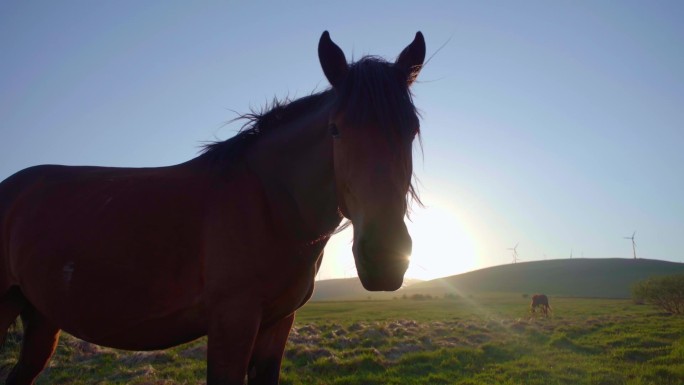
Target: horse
point(540, 301)
point(225, 245)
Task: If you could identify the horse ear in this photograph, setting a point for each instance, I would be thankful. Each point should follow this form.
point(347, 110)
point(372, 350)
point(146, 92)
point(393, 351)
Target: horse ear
point(332, 59)
point(410, 60)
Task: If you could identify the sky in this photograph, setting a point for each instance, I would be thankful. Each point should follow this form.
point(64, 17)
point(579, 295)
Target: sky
point(554, 126)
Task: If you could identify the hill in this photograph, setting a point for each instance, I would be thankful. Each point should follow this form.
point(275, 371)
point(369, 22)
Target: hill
point(346, 289)
point(598, 278)
point(579, 277)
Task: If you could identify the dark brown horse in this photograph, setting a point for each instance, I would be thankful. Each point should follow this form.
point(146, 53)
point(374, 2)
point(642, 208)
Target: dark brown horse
point(540, 301)
point(225, 245)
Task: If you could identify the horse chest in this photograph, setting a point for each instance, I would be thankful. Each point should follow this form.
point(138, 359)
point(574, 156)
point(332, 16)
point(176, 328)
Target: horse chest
point(291, 291)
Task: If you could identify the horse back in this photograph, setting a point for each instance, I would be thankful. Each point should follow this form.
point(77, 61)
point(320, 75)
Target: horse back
point(91, 244)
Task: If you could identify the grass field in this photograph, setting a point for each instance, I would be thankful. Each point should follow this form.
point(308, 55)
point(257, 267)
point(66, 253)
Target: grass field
point(480, 339)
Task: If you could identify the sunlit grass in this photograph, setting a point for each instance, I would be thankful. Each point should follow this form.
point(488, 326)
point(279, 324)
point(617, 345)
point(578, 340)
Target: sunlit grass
point(482, 339)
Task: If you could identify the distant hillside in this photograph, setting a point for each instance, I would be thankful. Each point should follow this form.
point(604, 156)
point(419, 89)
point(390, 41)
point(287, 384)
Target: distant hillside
point(600, 278)
point(346, 288)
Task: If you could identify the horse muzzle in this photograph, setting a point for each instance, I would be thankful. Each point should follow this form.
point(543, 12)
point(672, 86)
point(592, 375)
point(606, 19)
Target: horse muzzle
point(381, 269)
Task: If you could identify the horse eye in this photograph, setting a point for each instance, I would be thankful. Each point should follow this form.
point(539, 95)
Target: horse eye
point(334, 131)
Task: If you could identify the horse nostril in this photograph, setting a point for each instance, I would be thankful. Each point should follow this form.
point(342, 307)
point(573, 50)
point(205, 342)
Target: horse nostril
point(381, 254)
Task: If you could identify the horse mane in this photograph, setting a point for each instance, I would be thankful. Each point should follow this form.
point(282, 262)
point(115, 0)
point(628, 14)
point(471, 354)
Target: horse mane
point(375, 92)
point(260, 122)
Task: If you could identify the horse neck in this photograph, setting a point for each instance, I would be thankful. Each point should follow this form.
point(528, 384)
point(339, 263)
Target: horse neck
point(295, 165)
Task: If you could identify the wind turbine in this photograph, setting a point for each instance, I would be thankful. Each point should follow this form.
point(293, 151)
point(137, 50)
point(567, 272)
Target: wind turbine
point(515, 252)
point(633, 243)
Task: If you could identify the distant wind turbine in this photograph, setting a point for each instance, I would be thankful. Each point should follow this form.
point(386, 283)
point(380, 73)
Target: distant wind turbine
point(515, 253)
point(633, 243)
point(570, 253)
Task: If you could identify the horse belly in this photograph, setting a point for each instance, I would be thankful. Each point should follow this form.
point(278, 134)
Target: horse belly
point(119, 310)
point(117, 315)
point(152, 333)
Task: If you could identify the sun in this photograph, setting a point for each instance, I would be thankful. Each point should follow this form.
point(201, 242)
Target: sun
point(442, 245)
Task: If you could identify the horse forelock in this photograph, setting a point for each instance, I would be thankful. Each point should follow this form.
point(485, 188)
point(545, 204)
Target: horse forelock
point(377, 94)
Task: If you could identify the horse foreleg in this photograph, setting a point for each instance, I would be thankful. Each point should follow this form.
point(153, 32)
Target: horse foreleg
point(264, 367)
point(232, 332)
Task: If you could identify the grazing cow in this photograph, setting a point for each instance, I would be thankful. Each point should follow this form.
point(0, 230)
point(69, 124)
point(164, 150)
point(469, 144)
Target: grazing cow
point(540, 301)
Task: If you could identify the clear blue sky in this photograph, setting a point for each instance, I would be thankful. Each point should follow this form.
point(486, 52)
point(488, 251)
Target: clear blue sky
point(555, 125)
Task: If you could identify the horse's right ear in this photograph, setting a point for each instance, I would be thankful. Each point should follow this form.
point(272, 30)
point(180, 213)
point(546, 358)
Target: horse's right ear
point(332, 59)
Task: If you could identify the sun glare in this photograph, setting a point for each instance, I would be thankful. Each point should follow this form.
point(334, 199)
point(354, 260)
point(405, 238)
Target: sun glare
point(441, 243)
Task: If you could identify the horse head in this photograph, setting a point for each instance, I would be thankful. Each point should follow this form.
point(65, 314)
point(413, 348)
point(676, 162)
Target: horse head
point(373, 123)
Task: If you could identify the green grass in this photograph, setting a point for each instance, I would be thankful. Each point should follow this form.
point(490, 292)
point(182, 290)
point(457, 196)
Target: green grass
point(484, 339)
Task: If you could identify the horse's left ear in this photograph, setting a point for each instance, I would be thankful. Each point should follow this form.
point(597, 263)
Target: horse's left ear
point(410, 60)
